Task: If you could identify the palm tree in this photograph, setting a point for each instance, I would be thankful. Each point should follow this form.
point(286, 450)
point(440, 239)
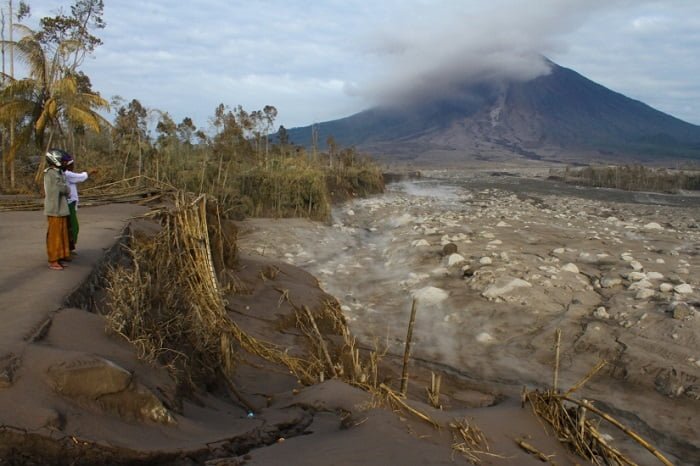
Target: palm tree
point(49, 98)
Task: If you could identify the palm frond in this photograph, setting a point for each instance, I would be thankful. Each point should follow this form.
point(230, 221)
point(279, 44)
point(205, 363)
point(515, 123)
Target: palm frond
point(87, 117)
point(17, 110)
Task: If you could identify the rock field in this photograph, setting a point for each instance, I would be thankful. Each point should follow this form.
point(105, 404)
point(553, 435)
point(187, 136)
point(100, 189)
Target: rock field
point(496, 270)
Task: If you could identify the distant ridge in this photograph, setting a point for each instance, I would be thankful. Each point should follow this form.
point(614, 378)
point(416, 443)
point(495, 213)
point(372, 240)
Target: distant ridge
point(561, 116)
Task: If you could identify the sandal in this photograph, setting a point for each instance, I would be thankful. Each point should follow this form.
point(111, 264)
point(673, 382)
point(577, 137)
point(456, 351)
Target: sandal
point(56, 266)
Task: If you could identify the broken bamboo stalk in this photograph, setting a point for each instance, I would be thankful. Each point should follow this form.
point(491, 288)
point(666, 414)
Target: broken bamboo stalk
point(620, 426)
point(588, 376)
point(321, 341)
point(533, 451)
point(557, 347)
point(397, 399)
point(407, 349)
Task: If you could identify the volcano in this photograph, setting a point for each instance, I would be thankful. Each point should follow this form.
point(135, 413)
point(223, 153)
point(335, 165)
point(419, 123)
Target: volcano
point(561, 117)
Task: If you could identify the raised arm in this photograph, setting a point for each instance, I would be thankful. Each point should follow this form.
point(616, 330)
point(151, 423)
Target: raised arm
point(73, 177)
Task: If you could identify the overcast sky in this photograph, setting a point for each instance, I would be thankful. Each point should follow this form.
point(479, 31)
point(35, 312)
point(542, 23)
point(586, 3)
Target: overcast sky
point(326, 59)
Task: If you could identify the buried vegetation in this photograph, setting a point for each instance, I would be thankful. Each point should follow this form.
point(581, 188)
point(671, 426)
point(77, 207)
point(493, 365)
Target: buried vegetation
point(181, 321)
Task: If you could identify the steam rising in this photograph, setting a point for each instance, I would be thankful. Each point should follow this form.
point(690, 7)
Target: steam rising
point(464, 43)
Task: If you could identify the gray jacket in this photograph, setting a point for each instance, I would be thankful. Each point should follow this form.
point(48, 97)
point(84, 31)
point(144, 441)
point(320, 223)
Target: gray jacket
point(56, 189)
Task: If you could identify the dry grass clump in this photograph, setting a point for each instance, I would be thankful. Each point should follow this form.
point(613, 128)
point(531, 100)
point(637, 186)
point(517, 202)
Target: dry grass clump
point(470, 441)
point(168, 301)
point(352, 181)
point(295, 189)
point(337, 356)
point(577, 422)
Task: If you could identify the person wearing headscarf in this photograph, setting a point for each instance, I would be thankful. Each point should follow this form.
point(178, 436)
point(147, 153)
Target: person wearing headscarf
point(56, 210)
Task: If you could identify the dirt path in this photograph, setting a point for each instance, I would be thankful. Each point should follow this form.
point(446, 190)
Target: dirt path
point(29, 290)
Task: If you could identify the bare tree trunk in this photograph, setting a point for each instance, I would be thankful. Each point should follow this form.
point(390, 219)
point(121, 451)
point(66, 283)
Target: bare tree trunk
point(140, 155)
point(12, 121)
point(126, 162)
point(2, 48)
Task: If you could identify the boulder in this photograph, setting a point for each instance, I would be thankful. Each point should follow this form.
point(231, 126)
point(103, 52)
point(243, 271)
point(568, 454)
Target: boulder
point(430, 295)
point(98, 381)
point(570, 267)
point(683, 288)
point(449, 248)
point(653, 226)
point(504, 286)
point(88, 377)
point(455, 259)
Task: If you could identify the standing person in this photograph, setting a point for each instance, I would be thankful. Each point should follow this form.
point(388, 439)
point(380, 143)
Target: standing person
point(56, 210)
point(72, 179)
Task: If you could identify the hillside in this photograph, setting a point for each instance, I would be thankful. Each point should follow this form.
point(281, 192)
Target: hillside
point(561, 116)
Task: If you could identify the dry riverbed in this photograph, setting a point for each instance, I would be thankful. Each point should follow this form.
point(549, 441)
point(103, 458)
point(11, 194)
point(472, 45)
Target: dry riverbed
point(498, 263)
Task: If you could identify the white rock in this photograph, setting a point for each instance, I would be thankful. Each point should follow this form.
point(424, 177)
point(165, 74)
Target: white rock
point(660, 261)
point(609, 282)
point(500, 288)
point(570, 267)
point(558, 251)
point(636, 276)
point(484, 337)
point(420, 243)
point(351, 212)
point(641, 285)
point(485, 261)
point(653, 226)
point(430, 295)
point(636, 265)
point(495, 242)
point(455, 259)
point(402, 220)
point(502, 224)
point(601, 313)
point(655, 275)
point(626, 257)
point(683, 288)
point(644, 293)
point(666, 287)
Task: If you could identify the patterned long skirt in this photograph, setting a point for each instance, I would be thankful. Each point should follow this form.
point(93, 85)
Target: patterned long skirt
point(57, 244)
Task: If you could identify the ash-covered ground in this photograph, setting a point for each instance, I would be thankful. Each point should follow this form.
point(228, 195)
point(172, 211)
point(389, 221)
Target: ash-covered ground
point(498, 262)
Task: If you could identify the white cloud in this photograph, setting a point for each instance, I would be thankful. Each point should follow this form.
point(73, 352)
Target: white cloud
point(323, 60)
